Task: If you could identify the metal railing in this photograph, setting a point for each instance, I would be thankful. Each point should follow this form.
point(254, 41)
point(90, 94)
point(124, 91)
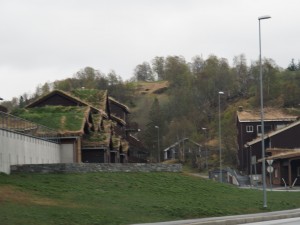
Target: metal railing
point(21, 126)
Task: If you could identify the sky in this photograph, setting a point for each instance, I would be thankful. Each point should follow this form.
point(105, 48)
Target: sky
point(47, 40)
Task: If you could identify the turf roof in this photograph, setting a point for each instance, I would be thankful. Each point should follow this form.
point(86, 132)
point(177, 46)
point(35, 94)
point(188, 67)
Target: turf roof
point(96, 98)
point(64, 119)
point(95, 139)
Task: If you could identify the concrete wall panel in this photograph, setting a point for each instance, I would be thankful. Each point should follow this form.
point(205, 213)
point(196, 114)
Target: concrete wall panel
point(16, 149)
point(67, 153)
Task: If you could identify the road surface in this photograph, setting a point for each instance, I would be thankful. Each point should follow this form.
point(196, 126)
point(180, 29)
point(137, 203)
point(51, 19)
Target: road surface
point(290, 221)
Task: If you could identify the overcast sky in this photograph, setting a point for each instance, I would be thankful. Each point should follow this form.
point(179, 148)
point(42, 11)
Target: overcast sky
point(48, 40)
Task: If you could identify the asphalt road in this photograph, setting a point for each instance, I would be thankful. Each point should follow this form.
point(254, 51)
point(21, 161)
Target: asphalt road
point(290, 221)
point(289, 217)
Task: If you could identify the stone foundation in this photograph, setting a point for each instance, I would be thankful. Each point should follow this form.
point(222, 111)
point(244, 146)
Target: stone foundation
point(95, 167)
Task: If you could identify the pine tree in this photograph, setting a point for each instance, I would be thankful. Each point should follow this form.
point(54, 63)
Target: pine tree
point(154, 129)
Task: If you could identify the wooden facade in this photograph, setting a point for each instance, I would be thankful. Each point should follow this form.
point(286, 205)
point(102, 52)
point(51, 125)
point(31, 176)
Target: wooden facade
point(282, 146)
point(248, 125)
point(135, 151)
point(103, 138)
point(3, 109)
point(286, 164)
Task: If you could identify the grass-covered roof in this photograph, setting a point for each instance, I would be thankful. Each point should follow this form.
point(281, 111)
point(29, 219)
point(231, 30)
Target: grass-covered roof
point(96, 139)
point(64, 119)
point(94, 97)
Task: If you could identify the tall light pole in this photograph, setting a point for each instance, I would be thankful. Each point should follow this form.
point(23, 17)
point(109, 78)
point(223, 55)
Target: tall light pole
point(158, 151)
point(262, 116)
point(205, 130)
point(220, 150)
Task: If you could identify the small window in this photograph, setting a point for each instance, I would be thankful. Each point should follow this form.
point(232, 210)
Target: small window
point(249, 129)
point(258, 129)
point(280, 126)
point(267, 128)
point(276, 173)
point(298, 171)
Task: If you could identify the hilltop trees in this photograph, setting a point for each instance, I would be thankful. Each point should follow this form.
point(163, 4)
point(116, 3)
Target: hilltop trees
point(191, 101)
point(241, 75)
point(293, 66)
point(193, 94)
point(158, 67)
point(143, 72)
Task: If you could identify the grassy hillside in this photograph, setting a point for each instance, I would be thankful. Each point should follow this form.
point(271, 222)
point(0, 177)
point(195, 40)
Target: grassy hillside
point(125, 198)
point(146, 92)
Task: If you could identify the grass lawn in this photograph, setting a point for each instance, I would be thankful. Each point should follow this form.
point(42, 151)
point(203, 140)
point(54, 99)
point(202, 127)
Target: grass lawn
point(125, 198)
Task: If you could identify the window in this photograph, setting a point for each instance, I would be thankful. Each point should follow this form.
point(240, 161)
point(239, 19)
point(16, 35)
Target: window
point(276, 173)
point(249, 129)
point(298, 171)
point(267, 129)
point(258, 129)
point(280, 126)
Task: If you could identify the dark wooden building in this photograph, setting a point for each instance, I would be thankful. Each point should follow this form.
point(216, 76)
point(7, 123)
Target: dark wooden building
point(282, 146)
point(3, 109)
point(286, 164)
point(105, 130)
point(249, 128)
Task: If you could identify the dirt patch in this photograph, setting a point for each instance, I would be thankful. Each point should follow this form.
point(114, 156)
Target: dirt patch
point(63, 121)
point(153, 87)
point(11, 194)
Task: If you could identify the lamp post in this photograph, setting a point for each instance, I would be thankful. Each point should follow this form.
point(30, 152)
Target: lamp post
point(220, 150)
point(158, 151)
point(205, 129)
point(262, 116)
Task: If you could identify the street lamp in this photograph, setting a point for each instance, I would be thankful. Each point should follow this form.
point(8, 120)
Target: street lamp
point(220, 150)
point(205, 129)
point(158, 151)
point(262, 116)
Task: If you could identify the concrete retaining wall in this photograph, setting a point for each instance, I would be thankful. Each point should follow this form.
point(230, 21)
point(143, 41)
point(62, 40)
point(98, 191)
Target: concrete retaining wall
point(19, 149)
point(96, 167)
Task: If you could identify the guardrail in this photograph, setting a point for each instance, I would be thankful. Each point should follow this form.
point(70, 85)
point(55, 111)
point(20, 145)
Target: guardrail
point(18, 125)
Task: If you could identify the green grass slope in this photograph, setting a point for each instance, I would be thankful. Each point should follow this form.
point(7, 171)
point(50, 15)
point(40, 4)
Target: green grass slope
point(146, 92)
point(125, 198)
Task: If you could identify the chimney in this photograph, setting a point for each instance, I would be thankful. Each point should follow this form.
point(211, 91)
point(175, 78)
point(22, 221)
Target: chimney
point(240, 108)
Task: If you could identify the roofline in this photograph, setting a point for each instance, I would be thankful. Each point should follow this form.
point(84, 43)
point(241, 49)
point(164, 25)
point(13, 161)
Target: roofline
point(65, 94)
point(91, 148)
point(258, 120)
point(271, 134)
point(117, 119)
point(68, 137)
point(292, 153)
point(120, 104)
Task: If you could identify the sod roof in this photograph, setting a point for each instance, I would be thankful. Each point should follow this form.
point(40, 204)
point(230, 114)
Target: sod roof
point(71, 120)
point(64, 119)
point(94, 97)
point(270, 114)
point(96, 139)
point(80, 97)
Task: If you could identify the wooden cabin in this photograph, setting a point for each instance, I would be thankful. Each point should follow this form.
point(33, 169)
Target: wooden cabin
point(103, 137)
point(248, 125)
point(283, 147)
point(286, 166)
